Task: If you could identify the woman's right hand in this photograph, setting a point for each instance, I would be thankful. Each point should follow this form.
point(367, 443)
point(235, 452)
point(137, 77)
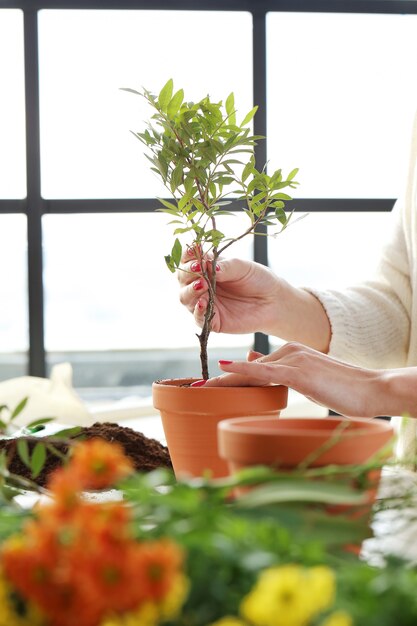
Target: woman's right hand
point(247, 294)
point(251, 298)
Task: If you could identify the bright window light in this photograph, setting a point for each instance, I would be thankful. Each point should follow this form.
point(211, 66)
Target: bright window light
point(13, 284)
point(86, 147)
point(12, 106)
point(107, 286)
point(341, 99)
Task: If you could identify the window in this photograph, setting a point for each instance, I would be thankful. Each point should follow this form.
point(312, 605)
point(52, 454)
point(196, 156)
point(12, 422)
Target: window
point(336, 98)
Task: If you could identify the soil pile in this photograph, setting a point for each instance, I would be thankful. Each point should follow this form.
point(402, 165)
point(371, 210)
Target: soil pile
point(146, 454)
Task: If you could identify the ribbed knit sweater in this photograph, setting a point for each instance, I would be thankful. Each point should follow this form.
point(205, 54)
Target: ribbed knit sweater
point(374, 324)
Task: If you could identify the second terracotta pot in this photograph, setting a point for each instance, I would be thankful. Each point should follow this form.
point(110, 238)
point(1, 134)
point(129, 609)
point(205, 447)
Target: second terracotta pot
point(289, 442)
point(190, 416)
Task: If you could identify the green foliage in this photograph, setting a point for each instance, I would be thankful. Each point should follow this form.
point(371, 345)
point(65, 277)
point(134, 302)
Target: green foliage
point(202, 154)
point(281, 520)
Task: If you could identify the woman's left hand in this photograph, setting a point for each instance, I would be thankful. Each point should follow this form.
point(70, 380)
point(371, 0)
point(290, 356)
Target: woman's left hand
point(344, 388)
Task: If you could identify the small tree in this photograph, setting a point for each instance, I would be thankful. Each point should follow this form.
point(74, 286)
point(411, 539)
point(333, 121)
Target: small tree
point(203, 155)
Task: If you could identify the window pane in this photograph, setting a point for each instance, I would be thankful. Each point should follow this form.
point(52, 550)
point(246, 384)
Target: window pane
point(108, 289)
point(341, 97)
point(12, 106)
point(330, 250)
point(13, 289)
point(86, 147)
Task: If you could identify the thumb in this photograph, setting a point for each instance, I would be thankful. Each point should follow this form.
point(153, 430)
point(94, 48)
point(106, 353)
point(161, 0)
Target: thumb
point(232, 270)
point(252, 355)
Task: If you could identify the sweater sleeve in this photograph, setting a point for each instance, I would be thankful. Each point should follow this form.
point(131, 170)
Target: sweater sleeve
point(370, 322)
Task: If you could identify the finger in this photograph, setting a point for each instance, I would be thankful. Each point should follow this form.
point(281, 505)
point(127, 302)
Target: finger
point(191, 293)
point(230, 380)
point(191, 252)
point(232, 270)
point(252, 355)
point(257, 372)
point(199, 311)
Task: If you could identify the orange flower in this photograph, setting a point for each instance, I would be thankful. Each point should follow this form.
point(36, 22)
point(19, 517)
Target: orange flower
point(65, 489)
point(98, 464)
point(78, 561)
point(157, 566)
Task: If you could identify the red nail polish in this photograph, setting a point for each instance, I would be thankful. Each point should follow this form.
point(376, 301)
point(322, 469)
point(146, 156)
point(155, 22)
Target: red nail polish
point(198, 284)
point(200, 305)
point(190, 251)
point(217, 267)
point(224, 362)
point(195, 267)
point(198, 383)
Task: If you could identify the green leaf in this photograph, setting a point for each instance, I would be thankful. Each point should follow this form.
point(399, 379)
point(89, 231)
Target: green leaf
point(177, 176)
point(165, 95)
point(249, 116)
point(176, 252)
point(23, 451)
point(19, 408)
point(67, 432)
point(38, 459)
point(303, 491)
point(130, 90)
point(293, 173)
point(170, 264)
point(40, 421)
point(169, 205)
point(175, 103)
point(230, 108)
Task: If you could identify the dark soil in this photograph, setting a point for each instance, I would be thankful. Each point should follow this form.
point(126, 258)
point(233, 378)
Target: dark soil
point(146, 454)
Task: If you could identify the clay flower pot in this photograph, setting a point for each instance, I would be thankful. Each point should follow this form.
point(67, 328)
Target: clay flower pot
point(190, 416)
point(289, 442)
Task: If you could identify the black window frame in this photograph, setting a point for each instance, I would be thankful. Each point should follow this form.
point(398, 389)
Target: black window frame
point(34, 206)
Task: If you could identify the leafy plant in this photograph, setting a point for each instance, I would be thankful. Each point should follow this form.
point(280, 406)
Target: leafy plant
point(203, 156)
point(8, 416)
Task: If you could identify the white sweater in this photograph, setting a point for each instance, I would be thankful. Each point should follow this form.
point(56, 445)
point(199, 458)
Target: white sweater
point(374, 324)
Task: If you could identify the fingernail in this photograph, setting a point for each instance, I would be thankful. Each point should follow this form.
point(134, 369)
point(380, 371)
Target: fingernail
point(198, 383)
point(217, 267)
point(200, 305)
point(190, 251)
point(223, 362)
point(197, 285)
point(195, 267)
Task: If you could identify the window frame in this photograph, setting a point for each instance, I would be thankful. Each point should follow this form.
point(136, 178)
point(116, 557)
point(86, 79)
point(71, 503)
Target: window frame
point(35, 207)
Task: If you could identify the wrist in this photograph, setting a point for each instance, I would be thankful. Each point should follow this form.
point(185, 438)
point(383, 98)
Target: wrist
point(397, 391)
point(297, 315)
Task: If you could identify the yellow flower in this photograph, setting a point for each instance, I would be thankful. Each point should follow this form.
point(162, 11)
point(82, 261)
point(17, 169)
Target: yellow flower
point(229, 620)
point(289, 595)
point(147, 615)
point(321, 584)
point(152, 613)
point(338, 618)
point(8, 606)
point(171, 604)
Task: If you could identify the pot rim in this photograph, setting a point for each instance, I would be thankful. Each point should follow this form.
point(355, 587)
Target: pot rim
point(178, 382)
point(250, 426)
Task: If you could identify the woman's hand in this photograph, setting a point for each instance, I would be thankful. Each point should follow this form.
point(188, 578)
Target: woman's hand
point(344, 388)
point(251, 298)
point(247, 294)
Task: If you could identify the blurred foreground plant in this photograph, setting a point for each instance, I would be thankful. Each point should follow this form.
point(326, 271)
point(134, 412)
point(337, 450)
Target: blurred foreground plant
point(187, 553)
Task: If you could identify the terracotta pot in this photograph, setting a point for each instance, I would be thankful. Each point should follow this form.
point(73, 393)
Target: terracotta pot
point(287, 442)
point(190, 416)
